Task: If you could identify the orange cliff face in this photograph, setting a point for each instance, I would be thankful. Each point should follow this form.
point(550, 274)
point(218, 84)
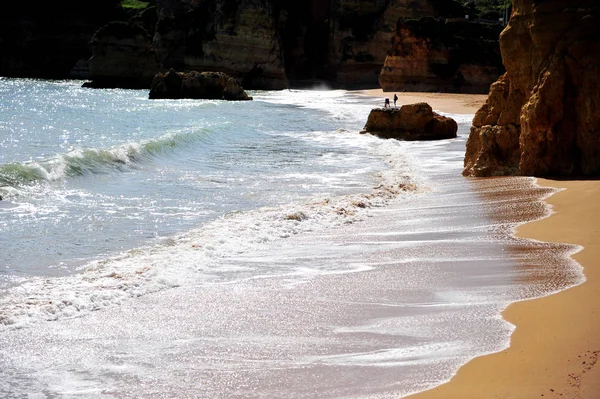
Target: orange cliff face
point(541, 116)
point(447, 55)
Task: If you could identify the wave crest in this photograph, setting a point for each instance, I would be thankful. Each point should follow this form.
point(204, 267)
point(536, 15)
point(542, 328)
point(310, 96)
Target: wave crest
point(92, 161)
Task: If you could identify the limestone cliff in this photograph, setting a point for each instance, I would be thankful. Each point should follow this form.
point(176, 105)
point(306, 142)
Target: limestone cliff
point(541, 117)
point(269, 43)
point(122, 56)
point(449, 55)
point(235, 37)
point(346, 41)
point(361, 33)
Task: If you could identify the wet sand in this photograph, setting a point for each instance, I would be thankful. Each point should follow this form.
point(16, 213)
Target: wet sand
point(555, 347)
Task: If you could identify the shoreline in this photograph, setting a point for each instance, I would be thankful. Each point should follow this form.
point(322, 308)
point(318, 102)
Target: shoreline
point(555, 347)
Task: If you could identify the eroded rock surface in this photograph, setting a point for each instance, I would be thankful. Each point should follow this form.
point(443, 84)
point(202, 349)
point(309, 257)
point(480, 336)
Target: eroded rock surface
point(275, 44)
point(410, 122)
point(122, 57)
point(361, 33)
point(235, 37)
point(197, 85)
point(432, 54)
point(541, 117)
point(266, 44)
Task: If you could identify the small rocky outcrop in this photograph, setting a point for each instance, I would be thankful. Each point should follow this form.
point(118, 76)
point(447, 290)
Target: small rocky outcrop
point(541, 117)
point(432, 54)
point(410, 122)
point(197, 85)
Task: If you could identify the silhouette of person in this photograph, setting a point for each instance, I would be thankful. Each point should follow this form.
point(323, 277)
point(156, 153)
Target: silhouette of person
point(387, 103)
point(395, 99)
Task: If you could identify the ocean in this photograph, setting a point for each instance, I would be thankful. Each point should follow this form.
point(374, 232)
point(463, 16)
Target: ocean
point(261, 249)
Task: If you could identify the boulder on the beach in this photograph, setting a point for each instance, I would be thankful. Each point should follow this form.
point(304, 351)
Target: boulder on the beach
point(197, 85)
point(410, 122)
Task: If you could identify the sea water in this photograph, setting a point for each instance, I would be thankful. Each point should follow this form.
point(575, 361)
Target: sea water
point(263, 249)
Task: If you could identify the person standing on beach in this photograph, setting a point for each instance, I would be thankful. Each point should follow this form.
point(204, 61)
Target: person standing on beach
point(395, 99)
point(387, 103)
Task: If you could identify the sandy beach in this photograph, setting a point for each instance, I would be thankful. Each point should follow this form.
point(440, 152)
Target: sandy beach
point(555, 348)
point(444, 102)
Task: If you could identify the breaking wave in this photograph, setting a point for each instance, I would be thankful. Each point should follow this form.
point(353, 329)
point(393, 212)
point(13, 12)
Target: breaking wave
point(197, 256)
point(92, 161)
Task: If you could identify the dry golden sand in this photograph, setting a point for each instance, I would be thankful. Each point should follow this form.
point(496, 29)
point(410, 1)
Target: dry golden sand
point(555, 347)
point(444, 102)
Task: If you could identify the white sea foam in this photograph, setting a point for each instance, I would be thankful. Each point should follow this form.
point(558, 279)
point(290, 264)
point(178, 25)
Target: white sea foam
point(195, 257)
point(393, 357)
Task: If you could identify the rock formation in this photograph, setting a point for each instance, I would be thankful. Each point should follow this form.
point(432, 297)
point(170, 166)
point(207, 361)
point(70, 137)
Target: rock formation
point(360, 34)
point(235, 37)
point(197, 85)
point(266, 44)
point(122, 57)
point(431, 54)
point(410, 122)
point(541, 117)
point(272, 44)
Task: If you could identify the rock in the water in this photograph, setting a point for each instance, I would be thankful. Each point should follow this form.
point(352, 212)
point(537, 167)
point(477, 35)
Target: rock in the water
point(410, 122)
point(197, 85)
point(541, 117)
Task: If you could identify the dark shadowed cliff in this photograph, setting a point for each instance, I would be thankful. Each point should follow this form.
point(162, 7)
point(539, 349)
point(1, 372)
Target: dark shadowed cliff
point(41, 38)
point(266, 44)
point(442, 54)
point(541, 117)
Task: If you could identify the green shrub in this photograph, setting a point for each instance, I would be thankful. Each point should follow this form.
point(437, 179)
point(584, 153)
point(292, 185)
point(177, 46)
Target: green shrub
point(134, 4)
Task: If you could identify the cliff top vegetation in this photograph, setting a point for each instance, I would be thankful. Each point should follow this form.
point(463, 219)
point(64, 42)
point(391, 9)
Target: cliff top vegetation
point(491, 9)
point(135, 5)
